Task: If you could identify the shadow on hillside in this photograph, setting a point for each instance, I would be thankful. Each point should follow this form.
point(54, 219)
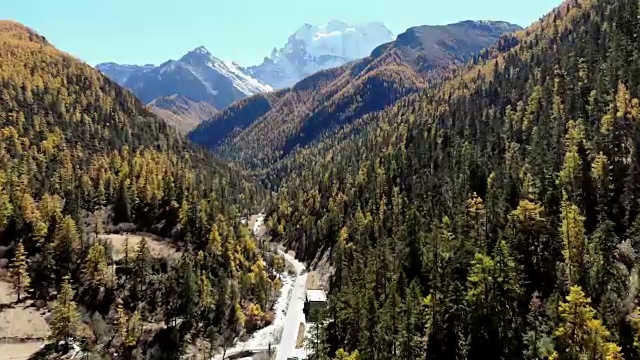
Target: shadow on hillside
point(6, 306)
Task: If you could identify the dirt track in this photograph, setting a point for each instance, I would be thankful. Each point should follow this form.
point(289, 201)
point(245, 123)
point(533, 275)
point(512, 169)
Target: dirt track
point(19, 351)
point(22, 327)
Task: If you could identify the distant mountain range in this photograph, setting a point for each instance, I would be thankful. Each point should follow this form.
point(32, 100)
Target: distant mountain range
point(199, 77)
point(196, 78)
point(262, 129)
point(342, 56)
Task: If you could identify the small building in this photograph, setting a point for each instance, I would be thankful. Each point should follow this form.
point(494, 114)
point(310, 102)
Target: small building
point(315, 300)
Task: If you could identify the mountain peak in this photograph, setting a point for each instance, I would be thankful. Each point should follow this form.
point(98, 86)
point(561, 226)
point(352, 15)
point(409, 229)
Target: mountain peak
point(198, 55)
point(333, 99)
point(318, 47)
point(201, 50)
point(19, 31)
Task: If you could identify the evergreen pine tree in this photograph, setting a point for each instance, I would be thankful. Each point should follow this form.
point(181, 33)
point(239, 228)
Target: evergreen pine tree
point(122, 206)
point(581, 334)
point(19, 272)
point(134, 330)
point(65, 318)
point(316, 344)
point(6, 208)
point(121, 320)
point(141, 270)
point(65, 246)
point(44, 272)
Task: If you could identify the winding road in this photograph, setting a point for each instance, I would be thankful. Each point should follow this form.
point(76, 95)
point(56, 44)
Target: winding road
point(294, 312)
point(290, 304)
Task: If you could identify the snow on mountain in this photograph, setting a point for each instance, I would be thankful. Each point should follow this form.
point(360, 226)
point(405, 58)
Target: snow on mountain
point(339, 39)
point(207, 68)
point(314, 48)
point(197, 76)
point(120, 73)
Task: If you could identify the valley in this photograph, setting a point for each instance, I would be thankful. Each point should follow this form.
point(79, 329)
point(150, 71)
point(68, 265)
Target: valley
point(462, 190)
point(259, 134)
point(201, 80)
point(25, 330)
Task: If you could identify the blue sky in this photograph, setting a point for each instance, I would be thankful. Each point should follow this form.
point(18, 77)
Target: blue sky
point(153, 31)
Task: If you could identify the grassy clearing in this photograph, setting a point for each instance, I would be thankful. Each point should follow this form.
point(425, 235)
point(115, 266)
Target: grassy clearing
point(158, 247)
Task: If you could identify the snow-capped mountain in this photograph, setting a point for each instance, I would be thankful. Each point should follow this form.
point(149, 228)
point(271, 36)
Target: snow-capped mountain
point(211, 70)
point(315, 48)
point(120, 73)
point(329, 99)
point(197, 76)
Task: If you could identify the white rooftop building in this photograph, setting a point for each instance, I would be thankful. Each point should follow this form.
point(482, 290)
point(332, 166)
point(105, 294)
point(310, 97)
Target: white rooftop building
point(316, 295)
point(315, 300)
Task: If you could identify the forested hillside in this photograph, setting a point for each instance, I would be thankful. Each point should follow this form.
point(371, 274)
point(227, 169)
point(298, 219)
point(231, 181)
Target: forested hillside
point(81, 157)
point(494, 216)
point(235, 118)
point(329, 99)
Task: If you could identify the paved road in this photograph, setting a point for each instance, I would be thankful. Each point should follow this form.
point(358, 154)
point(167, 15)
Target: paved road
point(294, 312)
point(293, 317)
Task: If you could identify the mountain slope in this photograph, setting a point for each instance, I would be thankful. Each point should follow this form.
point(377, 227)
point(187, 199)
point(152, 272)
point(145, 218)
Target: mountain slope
point(120, 73)
point(180, 112)
point(80, 157)
point(331, 98)
point(198, 83)
point(235, 118)
point(314, 48)
point(426, 47)
point(501, 203)
point(197, 76)
point(69, 134)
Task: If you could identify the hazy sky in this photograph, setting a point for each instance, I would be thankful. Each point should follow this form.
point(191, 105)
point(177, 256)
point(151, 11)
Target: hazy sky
point(146, 31)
